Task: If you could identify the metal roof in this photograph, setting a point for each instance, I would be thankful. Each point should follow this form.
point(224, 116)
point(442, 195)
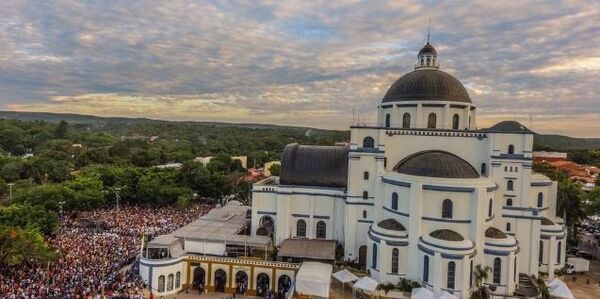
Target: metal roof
point(310, 165)
point(447, 235)
point(436, 163)
point(427, 84)
point(509, 126)
point(305, 248)
point(391, 224)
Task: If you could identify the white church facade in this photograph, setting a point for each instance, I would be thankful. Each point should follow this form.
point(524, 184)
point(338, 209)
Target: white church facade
point(423, 194)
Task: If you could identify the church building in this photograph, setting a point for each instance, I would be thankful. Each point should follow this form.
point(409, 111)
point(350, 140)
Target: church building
point(423, 194)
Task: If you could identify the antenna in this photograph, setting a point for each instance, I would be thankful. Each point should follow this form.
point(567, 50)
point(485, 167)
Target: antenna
point(530, 119)
point(429, 30)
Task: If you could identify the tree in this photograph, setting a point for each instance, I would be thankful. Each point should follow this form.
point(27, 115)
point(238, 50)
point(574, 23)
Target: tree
point(593, 199)
point(61, 129)
point(569, 204)
point(480, 291)
point(242, 190)
point(541, 287)
point(87, 191)
point(26, 216)
point(18, 245)
point(275, 169)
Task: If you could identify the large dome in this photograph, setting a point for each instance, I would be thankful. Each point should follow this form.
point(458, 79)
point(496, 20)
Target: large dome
point(438, 164)
point(427, 84)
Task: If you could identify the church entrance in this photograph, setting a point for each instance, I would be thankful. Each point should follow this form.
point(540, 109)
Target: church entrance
point(241, 282)
point(362, 257)
point(198, 282)
point(283, 285)
point(220, 281)
point(262, 284)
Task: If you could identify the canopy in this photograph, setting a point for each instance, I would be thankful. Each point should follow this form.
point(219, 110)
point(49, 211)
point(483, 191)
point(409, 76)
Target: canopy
point(559, 289)
point(446, 295)
point(421, 293)
point(345, 276)
point(366, 284)
point(313, 279)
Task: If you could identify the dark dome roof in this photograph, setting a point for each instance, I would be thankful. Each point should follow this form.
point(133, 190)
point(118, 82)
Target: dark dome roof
point(509, 126)
point(546, 221)
point(495, 233)
point(428, 49)
point(427, 84)
point(446, 235)
point(310, 165)
point(391, 224)
point(437, 164)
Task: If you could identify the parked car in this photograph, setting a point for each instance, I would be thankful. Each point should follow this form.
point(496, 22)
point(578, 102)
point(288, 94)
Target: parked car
point(577, 265)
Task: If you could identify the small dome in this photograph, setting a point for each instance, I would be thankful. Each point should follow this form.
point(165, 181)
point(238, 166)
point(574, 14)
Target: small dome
point(427, 84)
point(509, 126)
point(438, 164)
point(391, 224)
point(546, 221)
point(428, 49)
point(495, 233)
point(447, 235)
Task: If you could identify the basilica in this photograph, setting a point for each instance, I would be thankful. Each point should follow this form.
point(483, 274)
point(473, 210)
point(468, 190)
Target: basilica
point(423, 194)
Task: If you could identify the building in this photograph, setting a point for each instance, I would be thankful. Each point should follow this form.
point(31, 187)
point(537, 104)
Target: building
point(215, 253)
point(267, 167)
point(584, 175)
point(543, 156)
point(423, 194)
point(206, 160)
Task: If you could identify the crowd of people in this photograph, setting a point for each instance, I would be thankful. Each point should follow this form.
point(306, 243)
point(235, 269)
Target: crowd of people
point(97, 253)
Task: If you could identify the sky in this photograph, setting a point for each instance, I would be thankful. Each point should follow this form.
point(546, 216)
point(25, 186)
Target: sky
point(307, 63)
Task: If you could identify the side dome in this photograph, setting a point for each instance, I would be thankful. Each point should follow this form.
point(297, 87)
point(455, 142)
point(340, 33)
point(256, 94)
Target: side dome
point(447, 235)
point(311, 165)
point(438, 164)
point(427, 84)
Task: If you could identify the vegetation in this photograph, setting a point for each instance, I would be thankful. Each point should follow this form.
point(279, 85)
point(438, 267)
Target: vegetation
point(541, 287)
point(480, 290)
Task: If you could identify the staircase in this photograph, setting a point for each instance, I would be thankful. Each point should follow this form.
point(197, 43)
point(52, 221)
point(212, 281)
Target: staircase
point(526, 287)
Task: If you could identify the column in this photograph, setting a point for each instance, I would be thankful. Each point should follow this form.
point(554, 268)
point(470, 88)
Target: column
point(419, 117)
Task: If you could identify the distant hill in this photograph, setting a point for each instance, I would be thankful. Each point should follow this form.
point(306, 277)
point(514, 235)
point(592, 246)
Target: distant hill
point(124, 125)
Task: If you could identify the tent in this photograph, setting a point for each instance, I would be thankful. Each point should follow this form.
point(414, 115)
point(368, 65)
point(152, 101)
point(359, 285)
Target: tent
point(421, 293)
point(559, 289)
point(446, 295)
point(366, 284)
point(313, 279)
point(345, 276)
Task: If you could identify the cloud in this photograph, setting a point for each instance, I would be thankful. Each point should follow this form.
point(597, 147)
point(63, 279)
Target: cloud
point(296, 62)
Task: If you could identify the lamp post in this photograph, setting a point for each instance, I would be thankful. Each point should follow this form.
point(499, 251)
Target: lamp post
point(10, 187)
point(117, 195)
point(60, 207)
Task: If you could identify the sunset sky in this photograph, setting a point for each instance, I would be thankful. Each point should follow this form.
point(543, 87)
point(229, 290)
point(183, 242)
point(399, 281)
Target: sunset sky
point(303, 63)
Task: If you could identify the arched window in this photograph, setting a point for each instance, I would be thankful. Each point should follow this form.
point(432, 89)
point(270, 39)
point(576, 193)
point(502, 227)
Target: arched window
point(541, 257)
point(540, 202)
point(428, 61)
point(369, 142)
point(321, 230)
point(559, 253)
point(515, 270)
point(483, 169)
point(365, 195)
point(510, 185)
point(406, 120)
point(451, 275)
point(395, 255)
point(490, 208)
point(426, 268)
point(455, 121)
point(301, 228)
point(511, 149)
point(509, 202)
point(161, 283)
point(508, 226)
point(497, 270)
point(387, 120)
point(366, 175)
point(364, 214)
point(374, 256)
point(394, 201)
point(178, 280)
point(431, 120)
point(471, 274)
point(170, 282)
point(447, 208)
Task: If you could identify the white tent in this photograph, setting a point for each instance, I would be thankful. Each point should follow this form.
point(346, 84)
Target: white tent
point(559, 289)
point(446, 295)
point(313, 279)
point(345, 276)
point(421, 293)
point(366, 284)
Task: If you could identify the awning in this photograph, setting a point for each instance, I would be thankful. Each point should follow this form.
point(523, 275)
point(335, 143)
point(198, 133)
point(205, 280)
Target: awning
point(313, 279)
point(366, 284)
point(345, 276)
point(311, 249)
point(421, 293)
point(559, 289)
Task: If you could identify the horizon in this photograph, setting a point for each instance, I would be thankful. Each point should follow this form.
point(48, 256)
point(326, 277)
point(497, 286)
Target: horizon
point(298, 64)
